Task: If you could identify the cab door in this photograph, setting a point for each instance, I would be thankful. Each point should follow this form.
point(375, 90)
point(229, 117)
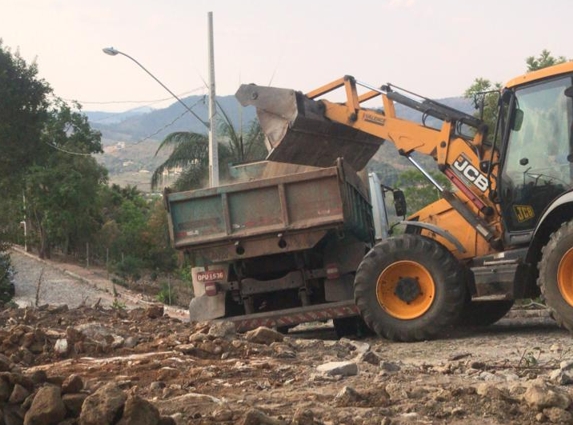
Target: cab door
point(537, 161)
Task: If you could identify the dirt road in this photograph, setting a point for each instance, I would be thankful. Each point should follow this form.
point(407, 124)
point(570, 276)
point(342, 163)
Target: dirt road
point(519, 371)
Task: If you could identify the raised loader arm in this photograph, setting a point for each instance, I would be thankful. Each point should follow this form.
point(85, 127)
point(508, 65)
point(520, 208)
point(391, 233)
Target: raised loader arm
point(301, 129)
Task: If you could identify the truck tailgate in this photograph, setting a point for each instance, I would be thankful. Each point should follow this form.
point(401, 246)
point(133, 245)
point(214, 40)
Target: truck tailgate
point(268, 208)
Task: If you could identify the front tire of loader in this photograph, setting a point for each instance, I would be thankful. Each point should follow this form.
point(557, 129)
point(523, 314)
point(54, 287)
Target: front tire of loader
point(556, 275)
point(409, 288)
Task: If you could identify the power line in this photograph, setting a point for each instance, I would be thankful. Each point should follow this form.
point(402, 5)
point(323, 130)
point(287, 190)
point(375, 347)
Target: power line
point(171, 123)
point(139, 141)
point(66, 151)
point(110, 102)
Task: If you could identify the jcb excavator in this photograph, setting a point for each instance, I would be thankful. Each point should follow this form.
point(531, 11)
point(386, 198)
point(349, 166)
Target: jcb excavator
point(505, 232)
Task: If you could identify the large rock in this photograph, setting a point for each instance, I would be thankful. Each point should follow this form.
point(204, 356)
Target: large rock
point(558, 416)
point(5, 363)
point(264, 335)
point(47, 407)
point(256, 417)
point(74, 403)
point(347, 397)
point(561, 377)
point(155, 311)
point(222, 329)
point(138, 411)
point(369, 357)
point(19, 394)
point(72, 384)
point(303, 416)
point(5, 390)
point(103, 407)
point(541, 396)
point(12, 415)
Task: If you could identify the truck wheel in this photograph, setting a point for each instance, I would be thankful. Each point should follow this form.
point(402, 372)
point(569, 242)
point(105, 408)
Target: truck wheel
point(556, 275)
point(483, 313)
point(409, 288)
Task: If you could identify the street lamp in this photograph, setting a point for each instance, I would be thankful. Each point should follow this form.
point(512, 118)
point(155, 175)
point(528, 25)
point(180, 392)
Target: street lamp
point(113, 52)
point(213, 154)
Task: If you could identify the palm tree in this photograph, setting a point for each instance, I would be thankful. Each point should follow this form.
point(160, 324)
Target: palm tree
point(191, 153)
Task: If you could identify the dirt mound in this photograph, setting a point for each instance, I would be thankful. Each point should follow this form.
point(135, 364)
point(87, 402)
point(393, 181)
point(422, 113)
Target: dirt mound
point(128, 362)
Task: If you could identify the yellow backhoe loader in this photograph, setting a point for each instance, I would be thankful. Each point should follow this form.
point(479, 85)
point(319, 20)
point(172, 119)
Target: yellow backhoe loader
point(505, 232)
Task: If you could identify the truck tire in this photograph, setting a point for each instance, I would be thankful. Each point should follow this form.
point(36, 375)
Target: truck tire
point(483, 313)
point(409, 288)
point(556, 275)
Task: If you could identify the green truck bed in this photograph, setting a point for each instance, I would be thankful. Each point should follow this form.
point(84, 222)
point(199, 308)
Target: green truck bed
point(271, 215)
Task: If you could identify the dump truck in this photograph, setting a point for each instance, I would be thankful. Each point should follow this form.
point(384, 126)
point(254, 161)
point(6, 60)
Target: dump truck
point(278, 249)
point(505, 232)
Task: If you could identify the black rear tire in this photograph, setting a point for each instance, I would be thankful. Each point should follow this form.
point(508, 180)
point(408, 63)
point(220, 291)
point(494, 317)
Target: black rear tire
point(410, 288)
point(556, 275)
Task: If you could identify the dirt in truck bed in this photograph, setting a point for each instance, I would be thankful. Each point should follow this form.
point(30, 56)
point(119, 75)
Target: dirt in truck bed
point(98, 365)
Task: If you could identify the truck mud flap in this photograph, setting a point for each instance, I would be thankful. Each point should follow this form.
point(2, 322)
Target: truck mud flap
point(295, 316)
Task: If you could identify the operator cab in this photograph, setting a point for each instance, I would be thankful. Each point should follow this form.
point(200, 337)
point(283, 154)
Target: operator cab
point(537, 155)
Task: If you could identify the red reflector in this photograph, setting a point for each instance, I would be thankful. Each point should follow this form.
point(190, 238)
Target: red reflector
point(332, 271)
point(211, 288)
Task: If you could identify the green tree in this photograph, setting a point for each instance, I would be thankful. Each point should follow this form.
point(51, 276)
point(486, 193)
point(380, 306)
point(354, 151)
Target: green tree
point(418, 190)
point(486, 93)
point(544, 60)
point(23, 103)
point(161, 255)
point(6, 274)
point(191, 153)
point(124, 212)
point(23, 110)
point(62, 187)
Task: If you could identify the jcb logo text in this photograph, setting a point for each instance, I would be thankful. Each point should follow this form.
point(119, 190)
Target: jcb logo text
point(471, 173)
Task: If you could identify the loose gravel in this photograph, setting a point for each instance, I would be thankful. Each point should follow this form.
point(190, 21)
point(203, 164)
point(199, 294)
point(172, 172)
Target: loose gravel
point(39, 283)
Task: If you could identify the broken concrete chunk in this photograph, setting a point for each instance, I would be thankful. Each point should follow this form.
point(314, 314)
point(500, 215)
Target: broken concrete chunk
point(339, 368)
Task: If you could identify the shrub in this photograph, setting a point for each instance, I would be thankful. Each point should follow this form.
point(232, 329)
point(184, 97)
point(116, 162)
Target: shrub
point(7, 289)
point(166, 294)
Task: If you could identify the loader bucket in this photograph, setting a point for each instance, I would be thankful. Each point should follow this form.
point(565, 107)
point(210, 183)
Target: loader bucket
point(298, 132)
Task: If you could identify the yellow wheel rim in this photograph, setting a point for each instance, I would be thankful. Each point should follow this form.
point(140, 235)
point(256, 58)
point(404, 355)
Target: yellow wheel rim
point(406, 290)
point(565, 277)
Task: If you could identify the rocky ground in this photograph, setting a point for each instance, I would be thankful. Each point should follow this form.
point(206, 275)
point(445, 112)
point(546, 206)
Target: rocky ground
point(99, 365)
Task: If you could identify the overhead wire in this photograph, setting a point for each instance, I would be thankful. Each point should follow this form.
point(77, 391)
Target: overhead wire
point(150, 102)
point(66, 151)
point(202, 99)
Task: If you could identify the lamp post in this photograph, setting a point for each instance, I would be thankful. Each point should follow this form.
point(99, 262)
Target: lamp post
point(214, 181)
point(23, 224)
point(213, 153)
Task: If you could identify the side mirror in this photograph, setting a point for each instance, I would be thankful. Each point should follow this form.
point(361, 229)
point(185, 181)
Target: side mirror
point(399, 203)
point(517, 120)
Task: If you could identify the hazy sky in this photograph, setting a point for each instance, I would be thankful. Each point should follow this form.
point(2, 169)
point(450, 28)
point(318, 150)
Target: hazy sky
point(435, 47)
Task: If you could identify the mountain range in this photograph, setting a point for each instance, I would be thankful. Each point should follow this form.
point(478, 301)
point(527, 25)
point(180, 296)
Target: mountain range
point(131, 138)
point(155, 124)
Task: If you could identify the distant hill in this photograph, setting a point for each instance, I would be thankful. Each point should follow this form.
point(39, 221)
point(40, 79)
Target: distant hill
point(133, 125)
point(99, 117)
point(131, 138)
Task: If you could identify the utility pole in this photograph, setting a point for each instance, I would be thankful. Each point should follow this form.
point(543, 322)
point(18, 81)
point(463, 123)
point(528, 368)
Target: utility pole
point(213, 147)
